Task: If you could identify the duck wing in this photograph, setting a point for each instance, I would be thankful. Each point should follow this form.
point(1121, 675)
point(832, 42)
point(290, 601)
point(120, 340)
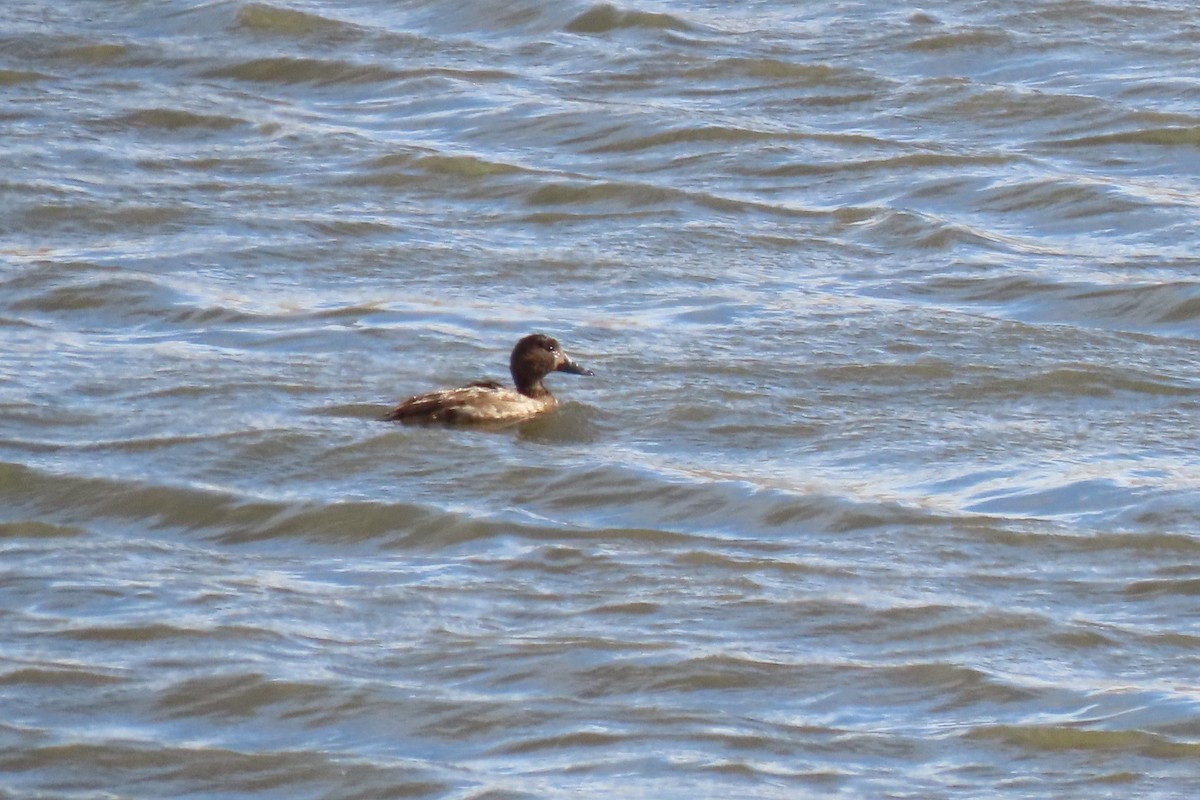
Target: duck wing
point(447, 405)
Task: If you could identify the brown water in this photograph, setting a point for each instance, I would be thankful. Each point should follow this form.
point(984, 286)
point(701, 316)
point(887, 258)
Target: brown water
point(886, 485)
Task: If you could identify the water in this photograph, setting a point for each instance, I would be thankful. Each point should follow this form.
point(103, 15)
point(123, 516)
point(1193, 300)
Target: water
point(886, 485)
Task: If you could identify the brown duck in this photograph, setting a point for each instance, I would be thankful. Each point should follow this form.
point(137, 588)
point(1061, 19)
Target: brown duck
point(533, 358)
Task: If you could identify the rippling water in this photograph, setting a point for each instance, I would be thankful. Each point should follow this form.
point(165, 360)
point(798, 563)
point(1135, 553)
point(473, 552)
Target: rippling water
point(886, 485)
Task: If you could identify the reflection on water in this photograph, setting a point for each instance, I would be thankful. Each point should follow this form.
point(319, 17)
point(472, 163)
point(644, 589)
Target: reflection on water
point(885, 485)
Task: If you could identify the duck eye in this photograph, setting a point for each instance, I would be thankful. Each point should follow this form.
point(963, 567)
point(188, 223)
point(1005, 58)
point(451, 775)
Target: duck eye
point(550, 347)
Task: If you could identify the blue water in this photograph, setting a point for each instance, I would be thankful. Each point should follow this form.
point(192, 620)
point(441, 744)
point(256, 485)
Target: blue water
point(885, 484)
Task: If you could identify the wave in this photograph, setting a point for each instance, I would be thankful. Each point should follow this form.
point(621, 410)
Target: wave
point(292, 23)
point(1057, 738)
point(316, 71)
point(606, 18)
point(1176, 136)
point(171, 119)
point(1172, 306)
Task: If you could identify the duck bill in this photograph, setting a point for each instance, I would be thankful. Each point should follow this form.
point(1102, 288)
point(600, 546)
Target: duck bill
point(573, 368)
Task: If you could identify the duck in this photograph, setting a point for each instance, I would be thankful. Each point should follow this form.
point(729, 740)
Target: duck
point(533, 358)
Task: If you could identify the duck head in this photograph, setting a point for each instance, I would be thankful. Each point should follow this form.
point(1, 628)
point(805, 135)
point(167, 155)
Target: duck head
point(535, 357)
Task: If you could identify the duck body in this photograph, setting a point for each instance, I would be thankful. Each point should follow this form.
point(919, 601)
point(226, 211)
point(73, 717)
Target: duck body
point(478, 403)
point(534, 357)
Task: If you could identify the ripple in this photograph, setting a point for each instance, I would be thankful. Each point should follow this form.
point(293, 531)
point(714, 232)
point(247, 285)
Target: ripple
point(1067, 498)
point(1187, 587)
point(1059, 199)
point(36, 529)
point(94, 53)
point(605, 18)
point(919, 230)
point(172, 119)
point(291, 70)
point(1089, 381)
point(186, 768)
point(60, 677)
point(1051, 738)
point(287, 22)
point(1179, 136)
point(776, 71)
point(244, 695)
point(97, 215)
point(1173, 305)
point(968, 39)
point(110, 294)
point(918, 162)
point(682, 136)
point(16, 77)
point(152, 633)
point(622, 194)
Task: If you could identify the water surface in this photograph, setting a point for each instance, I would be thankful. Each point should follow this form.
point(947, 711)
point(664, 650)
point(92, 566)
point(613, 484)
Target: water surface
point(886, 484)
